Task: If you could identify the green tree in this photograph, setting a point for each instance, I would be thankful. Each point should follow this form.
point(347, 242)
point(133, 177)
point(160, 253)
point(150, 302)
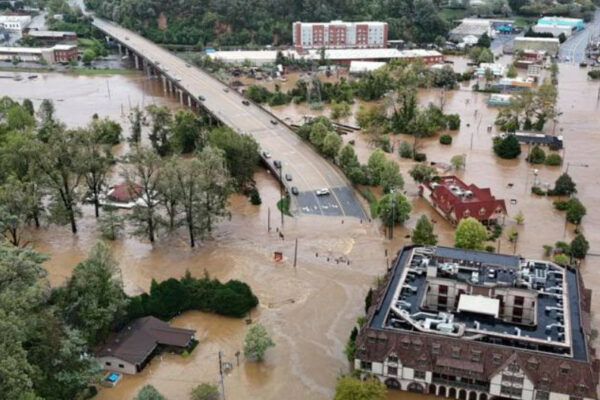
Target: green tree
point(256, 343)
point(96, 161)
point(507, 147)
point(331, 144)
point(561, 259)
point(579, 246)
point(564, 186)
point(93, 298)
point(137, 119)
point(537, 155)
point(88, 56)
point(484, 41)
point(347, 158)
point(350, 388)
point(149, 392)
point(575, 211)
point(46, 112)
point(110, 223)
point(188, 131)
point(161, 124)
point(393, 208)
point(512, 71)
point(458, 161)
point(28, 106)
point(241, 153)
point(18, 118)
point(422, 173)
point(340, 110)
point(205, 391)
point(470, 234)
point(423, 233)
point(142, 176)
point(390, 176)
point(376, 164)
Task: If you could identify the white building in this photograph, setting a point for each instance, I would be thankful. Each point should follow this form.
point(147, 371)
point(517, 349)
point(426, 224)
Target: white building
point(339, 34)
point(15, 23)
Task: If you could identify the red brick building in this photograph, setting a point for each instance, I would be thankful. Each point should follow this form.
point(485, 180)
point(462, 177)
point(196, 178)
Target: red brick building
point(339, 35)
point(454, 200)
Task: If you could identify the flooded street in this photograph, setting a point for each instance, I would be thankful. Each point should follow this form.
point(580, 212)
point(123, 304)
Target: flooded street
point(309, 310)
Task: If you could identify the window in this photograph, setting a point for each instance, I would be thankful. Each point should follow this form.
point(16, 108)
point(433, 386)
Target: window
point(393, 359)
point(393, 371)
point(564, 369)
point(366, 365)
point(496, 359)
point(511, 391)
point(419, 374)
point(476, 355)
point(541, 395)
point(108, 363)
point(443, 289)
point(435, 348)
point(455, 352)
point(519, 300)
point(121, 366)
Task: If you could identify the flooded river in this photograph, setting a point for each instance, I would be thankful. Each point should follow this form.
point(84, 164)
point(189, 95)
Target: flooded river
point(309, 310)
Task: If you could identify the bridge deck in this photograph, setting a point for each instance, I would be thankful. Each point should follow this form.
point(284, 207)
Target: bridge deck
point(308, 169)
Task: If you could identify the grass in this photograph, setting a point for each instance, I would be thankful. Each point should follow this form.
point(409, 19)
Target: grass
point(524, 22)
point(453, 14)
point(284, 206)
point(26, 69)
point(101, 71)
point(84, 42)
point(370, 197)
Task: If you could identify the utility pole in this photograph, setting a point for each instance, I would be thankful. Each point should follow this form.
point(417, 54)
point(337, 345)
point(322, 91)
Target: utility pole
point(281, 192)
point(221, 376)
point(268, 219)
point(295, 253)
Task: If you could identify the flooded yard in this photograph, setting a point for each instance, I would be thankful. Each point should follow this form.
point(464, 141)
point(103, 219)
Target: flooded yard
point(309, 310)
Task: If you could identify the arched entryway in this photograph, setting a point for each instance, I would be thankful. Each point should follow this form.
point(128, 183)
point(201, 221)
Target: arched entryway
point(472, 395)
point(442, 391)
point(392, 383)
point(483, 396)
point(432, 389)
point(462, 394)
point(415, 387)
point(452, 393)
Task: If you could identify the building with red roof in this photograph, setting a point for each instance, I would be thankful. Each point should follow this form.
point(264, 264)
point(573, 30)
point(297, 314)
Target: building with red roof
point(454, 200)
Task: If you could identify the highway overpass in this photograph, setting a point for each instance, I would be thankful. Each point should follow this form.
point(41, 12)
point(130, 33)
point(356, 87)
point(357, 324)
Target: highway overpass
point(197, 89)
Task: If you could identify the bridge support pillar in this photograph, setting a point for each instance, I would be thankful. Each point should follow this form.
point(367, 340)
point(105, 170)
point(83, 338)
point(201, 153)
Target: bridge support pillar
point(164, 82)
point(136, 59)
point(120, 49)
point(180, 96)
point(170, 86)
point(126, 51)
point(190, 104)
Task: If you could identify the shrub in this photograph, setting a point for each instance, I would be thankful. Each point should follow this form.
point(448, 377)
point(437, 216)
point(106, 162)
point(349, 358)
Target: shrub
point(538, 191)
point(594, 74)
point(420, 157)
point(537, 155)
point(405, 150)
point(453, 121)
point(553, 160)
point(255, 197)
point(561, 259)
point(490, 249)
point(446, 139)
point(508, 147)
point(561, 205)
point(575, 212)
point(579, 246)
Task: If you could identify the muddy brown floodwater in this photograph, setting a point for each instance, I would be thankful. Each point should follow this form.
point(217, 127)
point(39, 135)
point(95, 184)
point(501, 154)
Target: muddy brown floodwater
point(309, 310)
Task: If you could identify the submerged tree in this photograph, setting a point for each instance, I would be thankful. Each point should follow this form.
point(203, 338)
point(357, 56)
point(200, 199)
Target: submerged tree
point(423, 233)
point(161, 123)
point(137, 119)
point(470, 234)
point(256, 343)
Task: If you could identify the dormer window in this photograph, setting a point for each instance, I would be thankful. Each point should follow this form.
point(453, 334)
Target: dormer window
point(393, 358)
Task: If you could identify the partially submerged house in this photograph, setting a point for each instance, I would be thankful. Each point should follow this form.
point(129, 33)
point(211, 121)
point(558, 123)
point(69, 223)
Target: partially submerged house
point(123, 195)
point(129, 350)
point(454, 200)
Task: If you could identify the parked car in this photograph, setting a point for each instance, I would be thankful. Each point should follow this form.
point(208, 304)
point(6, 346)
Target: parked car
point(295, 191)
point(266, 154)
point(226, 90)
point(274, 122)
point(288, 177)
point(322, 192)
point(245, 102)
point(201, 98)
point(277, 163)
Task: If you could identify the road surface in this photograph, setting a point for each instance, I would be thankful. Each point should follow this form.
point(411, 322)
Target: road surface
point(308, 169)
point(573, 50)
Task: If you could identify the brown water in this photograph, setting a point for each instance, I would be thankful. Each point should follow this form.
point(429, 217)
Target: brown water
point(308, 310)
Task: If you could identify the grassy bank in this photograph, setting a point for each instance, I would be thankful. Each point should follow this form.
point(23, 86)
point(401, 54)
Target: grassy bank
point(283, 205)
point(101, 71)
point(26, 69)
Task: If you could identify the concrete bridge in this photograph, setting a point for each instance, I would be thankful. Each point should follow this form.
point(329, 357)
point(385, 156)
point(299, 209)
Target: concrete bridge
point(199, 90)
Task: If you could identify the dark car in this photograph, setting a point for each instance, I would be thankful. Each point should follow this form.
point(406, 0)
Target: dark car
point(245, 102)
point(288, 177)
point(201, 98)
point(274, 122)
point(277, 163)
point(295, 191)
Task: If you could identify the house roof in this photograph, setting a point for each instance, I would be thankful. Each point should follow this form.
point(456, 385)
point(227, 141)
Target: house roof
point(122, 193)
point(449, 194)
point(139, 338)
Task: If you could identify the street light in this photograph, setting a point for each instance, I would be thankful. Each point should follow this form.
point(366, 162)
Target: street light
point(392, 206)
point(575, 165)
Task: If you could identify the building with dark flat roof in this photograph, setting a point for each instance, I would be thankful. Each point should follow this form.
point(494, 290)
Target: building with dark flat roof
point(473, 325)
point(455, 200)
point(129, 350)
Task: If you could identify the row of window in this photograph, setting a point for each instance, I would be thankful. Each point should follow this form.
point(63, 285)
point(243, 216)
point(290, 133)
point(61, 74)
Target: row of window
point(108, 364)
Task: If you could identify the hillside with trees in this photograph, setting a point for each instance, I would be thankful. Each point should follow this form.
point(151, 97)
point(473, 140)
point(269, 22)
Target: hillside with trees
point(261, 22)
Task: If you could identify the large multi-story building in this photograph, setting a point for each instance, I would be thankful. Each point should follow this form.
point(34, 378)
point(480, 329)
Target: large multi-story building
point(15, 23)
point(473, 325)
point(339, 35)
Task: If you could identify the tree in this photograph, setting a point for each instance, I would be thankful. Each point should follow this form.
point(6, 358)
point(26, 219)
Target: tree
point(484, 41)
point(60, 160)
point(405, 150)
point(470, 234)
point(350, 388)
point(18, 118)
point(241, 153)
point(512, 71)
point(93, 298)
point(537, 155)
point(340, 110)
point(519, 218)
point(149, 392)
point(485, 56)
point(423, 233)
point(376, 163)
point(28, 106)
point(256, 343)
point(137, 119)
point(347, 158)
point(188, 131)
point(564, 186)
point(96, 160)
point(161, 122)
point(331, 144)
point(458, 161)
point(422, 173)
point(88, 56)
point(142, 178)
point(579, 246)
point(105, 131)
point(575, 211)
point(507, 147)
point(561, 259)
point(393, 208)
point(390, 177)
point(16, 207)
point(110, 223)
point(45, 112)
point(204, 391)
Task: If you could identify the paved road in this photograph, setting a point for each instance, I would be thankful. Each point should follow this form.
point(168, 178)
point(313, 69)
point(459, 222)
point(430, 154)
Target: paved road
point(573, 50)
point(309, 170)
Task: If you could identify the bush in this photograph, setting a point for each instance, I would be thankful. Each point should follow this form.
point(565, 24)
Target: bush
point(561, 259)
point(537, 155)
point(553, 160)
point(579, 246)
point(172, 297)
point(420, 157)
point(561, 205)
point(453, 121)
point(405, 150)
point(446, 139)
point(490, 248)
point(255, 197)
point(508, 147)
point(538, 191)
point(594, 74)
point(575, 212)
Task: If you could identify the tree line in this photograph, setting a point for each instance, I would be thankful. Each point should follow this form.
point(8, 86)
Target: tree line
point(48, 170)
